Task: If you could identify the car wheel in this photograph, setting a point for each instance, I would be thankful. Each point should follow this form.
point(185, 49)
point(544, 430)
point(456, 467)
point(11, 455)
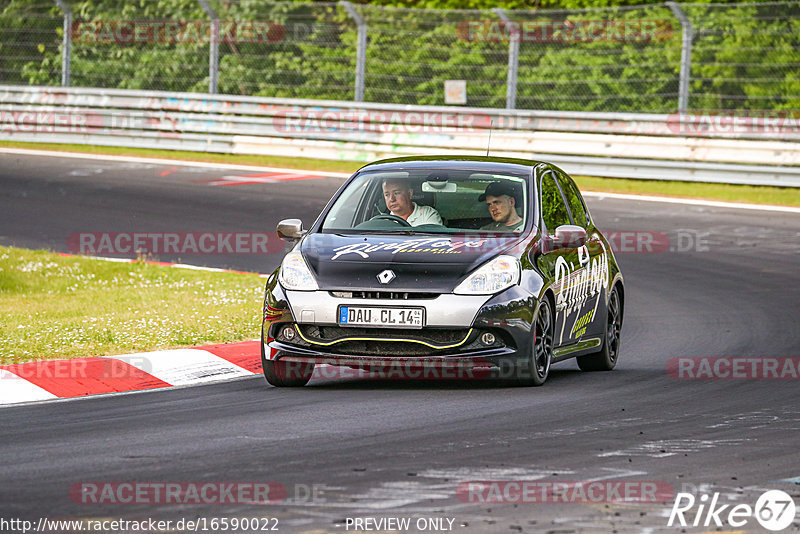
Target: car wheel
point(606, 358)
point(537, 368)
point(285, 374)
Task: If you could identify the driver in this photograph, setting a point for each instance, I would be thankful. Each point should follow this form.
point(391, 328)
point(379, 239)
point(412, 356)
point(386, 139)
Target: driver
point(501, 201)
point(398, 195)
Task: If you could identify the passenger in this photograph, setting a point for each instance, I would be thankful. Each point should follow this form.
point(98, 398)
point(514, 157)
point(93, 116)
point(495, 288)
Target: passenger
point(501, 199)
point(398, 195)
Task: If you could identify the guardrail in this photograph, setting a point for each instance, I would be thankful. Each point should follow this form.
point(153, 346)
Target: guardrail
point(741, 150)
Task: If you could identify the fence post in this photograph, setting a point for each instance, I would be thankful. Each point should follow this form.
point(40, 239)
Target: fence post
point(361, 50)
point(513, 32)
point(213, 47)
point(686, 56)
point(66, 46)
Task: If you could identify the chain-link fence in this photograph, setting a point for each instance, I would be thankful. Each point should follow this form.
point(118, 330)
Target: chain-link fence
point(30, 43)
point(621, 59)
point(745, 56)
point(653, 58)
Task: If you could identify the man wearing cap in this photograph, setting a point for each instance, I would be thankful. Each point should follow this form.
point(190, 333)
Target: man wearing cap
point(398, 195)
point(501, 199)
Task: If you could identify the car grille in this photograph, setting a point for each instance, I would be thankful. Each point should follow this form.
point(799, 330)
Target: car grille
point(359, 341)
point(388, 295)
point(434, 336)
point(385, 348)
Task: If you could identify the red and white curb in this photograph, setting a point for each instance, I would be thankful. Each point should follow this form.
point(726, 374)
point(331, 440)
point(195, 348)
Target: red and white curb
point(79, 377)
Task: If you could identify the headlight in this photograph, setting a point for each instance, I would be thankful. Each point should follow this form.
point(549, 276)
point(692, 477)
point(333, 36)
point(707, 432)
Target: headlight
point(498, 274)
point(295, 274)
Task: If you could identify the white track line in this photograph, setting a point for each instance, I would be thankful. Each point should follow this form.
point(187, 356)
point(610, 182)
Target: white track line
point(184, 163)
point(167, 264)
point(160, 161)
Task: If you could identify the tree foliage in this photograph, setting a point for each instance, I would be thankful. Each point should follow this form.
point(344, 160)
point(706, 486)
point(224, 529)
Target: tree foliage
point(744, 56)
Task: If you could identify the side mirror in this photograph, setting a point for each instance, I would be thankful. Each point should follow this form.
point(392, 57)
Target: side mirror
point(290, 229)
point(570, 236)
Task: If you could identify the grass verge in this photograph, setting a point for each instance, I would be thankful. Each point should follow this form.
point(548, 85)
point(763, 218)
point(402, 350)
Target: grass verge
point(52, 306)
point(782, 196)
point(748, 194)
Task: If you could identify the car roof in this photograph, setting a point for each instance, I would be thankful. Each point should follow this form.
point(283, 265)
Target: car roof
point(466, 163)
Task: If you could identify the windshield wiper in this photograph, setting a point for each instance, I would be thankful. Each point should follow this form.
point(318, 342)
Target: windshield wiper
point(403, 231)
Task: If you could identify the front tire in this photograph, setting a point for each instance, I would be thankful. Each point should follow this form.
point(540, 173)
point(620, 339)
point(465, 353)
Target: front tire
point(537, 368)
point(606, 358)
point(284, 374)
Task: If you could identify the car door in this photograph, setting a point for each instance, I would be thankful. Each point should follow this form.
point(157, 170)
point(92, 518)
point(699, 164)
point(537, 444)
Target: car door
point(589, 320)
point(561, 262)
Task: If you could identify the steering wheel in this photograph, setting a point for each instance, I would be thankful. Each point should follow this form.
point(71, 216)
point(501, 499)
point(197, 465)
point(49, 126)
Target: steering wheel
point(389, 217)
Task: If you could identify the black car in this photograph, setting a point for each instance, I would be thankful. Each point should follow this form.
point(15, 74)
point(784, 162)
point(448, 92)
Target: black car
point(475, 263)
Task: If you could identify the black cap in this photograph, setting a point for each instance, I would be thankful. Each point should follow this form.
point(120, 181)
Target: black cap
point(495, 189)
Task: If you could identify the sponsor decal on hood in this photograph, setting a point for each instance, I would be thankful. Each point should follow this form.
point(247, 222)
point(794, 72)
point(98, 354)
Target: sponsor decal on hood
point(433, 245)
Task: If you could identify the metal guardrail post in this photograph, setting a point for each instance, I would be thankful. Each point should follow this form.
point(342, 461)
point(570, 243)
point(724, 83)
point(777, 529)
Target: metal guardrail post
point(361, 50)
point(686, 56)
point(66, 46)
point(513, 57)
point(213, 48)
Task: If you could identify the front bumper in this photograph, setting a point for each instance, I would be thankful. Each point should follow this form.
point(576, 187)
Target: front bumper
point(468, 357)
point(453, 335)
point(444, 310)
point(465, 366)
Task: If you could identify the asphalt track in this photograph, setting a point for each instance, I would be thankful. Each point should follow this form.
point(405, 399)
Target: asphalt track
point(729, 288)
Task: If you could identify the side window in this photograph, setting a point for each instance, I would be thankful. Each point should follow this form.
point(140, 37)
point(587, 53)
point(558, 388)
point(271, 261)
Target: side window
point(349, 208)
point(574, 200)
point(554, 212)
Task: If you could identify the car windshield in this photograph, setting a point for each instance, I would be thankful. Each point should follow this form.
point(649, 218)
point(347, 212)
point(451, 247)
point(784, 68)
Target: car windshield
point(431, 201)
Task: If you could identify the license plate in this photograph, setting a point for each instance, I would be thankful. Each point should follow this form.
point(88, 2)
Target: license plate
point(371, 316)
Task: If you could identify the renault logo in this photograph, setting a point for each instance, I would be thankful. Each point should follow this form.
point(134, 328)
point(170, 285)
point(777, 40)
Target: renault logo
point(386, 276)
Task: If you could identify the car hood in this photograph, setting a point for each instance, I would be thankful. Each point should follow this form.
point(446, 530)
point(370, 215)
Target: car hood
point(420, 263)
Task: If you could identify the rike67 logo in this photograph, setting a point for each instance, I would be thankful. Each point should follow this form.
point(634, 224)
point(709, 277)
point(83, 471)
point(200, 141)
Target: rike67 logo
point(774, 510)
